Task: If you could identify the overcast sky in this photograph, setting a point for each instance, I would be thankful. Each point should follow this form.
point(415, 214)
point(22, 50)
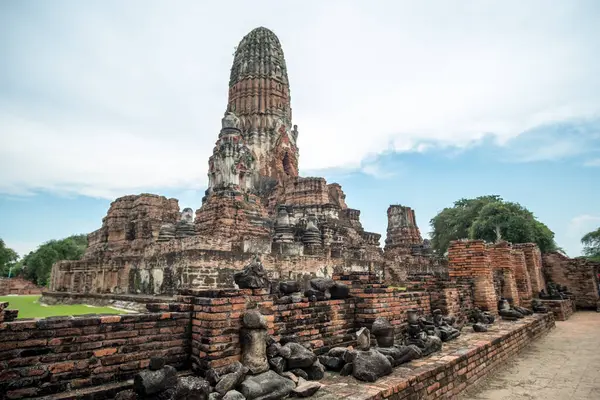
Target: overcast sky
point(99, 99)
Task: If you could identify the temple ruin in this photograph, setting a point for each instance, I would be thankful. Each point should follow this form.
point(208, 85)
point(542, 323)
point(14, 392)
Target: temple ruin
point(272, 288)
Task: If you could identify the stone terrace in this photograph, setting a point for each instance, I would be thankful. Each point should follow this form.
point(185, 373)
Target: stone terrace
point(461, 363)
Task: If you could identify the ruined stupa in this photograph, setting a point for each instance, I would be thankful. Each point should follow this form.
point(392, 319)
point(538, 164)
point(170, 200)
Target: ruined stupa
point(255, 204)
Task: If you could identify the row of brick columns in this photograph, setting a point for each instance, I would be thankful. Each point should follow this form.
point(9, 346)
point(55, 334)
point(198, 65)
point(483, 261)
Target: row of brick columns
point(475, 263)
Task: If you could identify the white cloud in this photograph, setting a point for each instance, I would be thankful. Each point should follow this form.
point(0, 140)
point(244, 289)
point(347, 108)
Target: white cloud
point(108, 98)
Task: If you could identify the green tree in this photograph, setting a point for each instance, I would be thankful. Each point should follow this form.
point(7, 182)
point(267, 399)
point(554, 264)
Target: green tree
point(489, 218)
point(38, 264)
point(8, 259)
point(591, 244)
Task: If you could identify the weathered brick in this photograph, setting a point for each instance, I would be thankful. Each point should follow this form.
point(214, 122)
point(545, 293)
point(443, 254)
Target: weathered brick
point(105, 352)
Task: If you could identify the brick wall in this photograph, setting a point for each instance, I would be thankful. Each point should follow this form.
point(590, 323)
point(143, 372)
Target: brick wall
point(324, 324)
point(562, 309)
point(52, 355)
point(450, 297)
point(469, 263)
point(374, 299)
point(578, 274)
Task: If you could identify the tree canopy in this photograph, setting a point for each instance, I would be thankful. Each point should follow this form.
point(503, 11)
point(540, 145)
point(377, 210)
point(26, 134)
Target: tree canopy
point(591, 244)
point(37, 265)
point(8, 259)
point(489, 218)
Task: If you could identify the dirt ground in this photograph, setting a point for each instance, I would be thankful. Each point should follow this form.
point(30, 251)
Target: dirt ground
point(564, 365)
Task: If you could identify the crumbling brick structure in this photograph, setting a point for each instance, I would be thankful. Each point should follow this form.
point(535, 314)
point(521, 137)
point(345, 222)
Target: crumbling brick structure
point(533, 260)
point(469, 263)
point(502, 262)
point(580, 275)
point(522, 278)
point(18, 286)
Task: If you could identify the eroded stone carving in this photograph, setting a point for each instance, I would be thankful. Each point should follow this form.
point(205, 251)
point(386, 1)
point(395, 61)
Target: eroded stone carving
point(253, 276)
point(253, 337)
point(507, 312)
point(383, 332)
point(538, 307)
point(418, 335)
point(445, 329)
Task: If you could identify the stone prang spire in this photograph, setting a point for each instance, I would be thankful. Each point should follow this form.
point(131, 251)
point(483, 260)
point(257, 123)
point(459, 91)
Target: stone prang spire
point(257, 142)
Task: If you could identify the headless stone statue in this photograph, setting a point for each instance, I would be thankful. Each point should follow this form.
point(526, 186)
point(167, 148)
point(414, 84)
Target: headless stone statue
point(552, 294)
point(253, 276)
point(446, 331)
point(522, 310)
point(417, 335)
point(383, 332)
point(253, 337)
point(538, 307)
point(506, 312)
point(477, 316)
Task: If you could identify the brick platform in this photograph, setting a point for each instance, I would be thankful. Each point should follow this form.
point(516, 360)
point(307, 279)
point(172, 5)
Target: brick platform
point(562, 309)
point(461, 363)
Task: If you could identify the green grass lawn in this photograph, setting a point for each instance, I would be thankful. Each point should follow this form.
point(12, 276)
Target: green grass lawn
point(29, 307)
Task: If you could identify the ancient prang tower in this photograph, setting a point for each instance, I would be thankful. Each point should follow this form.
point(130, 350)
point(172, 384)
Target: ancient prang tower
point(256, 203)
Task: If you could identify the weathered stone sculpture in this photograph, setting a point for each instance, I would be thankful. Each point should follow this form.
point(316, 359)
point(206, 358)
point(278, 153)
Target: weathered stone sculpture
point(363, 339)
point(553, 292)
point(481, 317)
point(446, 331)
point(479, 327)
point(538, 307)
point(370, 365)
point(312, 235)
point(522, 310)
point(156, 380)
point(166, 233)
point(185, 226)
point(383, 332)
point(289, 287)
point(325, 289)
point(401, 354)
point(268, 385)
point(253, 276)
point(506, 312)
point(416, 334)
point(254, 342)
point(284, 233)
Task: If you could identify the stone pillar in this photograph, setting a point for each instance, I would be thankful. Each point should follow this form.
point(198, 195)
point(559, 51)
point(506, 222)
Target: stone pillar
point(468, 262)
point(522, 278)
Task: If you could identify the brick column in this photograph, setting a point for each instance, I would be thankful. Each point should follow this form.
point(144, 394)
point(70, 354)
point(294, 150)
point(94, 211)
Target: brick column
point(468, 262)
point(533, 261)
point(502, 259)
point(216, 323)
point(522, 277)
